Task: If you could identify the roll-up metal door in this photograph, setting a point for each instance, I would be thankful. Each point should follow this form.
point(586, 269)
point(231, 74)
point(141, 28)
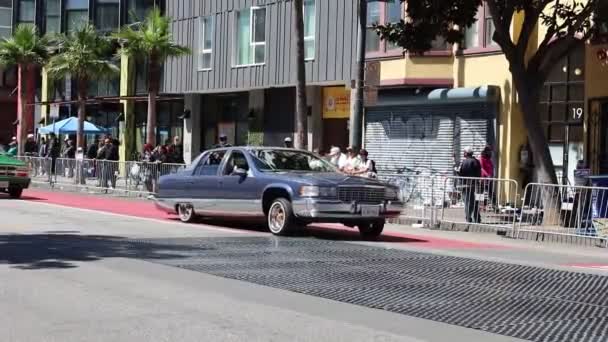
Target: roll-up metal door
point(425, 138)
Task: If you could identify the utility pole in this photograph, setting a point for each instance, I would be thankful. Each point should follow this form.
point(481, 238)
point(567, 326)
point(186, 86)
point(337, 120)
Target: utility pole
point(356, 119)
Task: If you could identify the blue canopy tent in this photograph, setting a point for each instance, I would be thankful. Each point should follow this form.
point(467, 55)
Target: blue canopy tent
point(70, 126)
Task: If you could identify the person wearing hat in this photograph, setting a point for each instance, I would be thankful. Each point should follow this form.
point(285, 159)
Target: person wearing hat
point(337, 158)
point(288, 142)
point(470, 169)
point(223, 142)
point(30, 148)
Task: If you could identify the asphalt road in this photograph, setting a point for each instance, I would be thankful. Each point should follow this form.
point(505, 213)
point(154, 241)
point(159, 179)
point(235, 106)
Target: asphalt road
point(69, 274)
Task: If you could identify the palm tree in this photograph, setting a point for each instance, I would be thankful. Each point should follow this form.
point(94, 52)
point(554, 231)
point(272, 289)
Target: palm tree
point(83, 54)
point(301, 107)
point(28, 51)
point(150, 41)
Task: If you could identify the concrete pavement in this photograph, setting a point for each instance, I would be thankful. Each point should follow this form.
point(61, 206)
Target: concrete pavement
point(66, 274)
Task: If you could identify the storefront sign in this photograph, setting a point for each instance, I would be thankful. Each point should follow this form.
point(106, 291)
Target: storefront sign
point(336, 103)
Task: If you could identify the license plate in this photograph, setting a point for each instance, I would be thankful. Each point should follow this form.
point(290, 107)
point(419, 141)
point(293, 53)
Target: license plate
point(370, 210)
point(3, 184)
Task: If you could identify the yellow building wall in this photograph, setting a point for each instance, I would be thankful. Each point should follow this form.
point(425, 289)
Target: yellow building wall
point(476, 71)
point(417, 67)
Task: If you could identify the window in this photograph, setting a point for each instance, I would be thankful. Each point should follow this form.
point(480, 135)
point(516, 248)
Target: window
point(77, 14)
point(309, 29)
point(137, 9)
point(237, 161)
point(6, 18)
point(372, 40)
point(27, 11)
point(251, 36)
point(210, 164)
point(382, 13)
point(205, 43)
point(52, 16)
point(479, 35)
point(107, 14)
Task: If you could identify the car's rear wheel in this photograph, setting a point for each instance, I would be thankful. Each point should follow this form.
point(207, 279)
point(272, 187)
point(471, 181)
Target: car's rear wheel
point(186, 212)
point(371, 230)
point(280, 217)
point(15, 192)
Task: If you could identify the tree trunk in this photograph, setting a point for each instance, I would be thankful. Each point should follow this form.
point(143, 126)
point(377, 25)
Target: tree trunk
point(25, 108)
point(82, 97)
point(21, 110)
point(153, 86)
point(301, 136)
point(528, 92)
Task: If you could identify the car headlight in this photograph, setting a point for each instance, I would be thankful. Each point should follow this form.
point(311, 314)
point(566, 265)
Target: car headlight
point(317, 191)
point(392, 194)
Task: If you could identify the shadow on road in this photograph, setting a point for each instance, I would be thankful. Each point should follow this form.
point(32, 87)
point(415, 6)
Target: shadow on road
point(323, 232)
point(57, 251)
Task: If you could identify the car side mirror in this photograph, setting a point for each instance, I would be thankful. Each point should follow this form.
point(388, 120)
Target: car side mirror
point(239, 172)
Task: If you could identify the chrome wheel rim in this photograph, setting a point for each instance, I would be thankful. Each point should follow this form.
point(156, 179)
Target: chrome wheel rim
point(185, 212)
point(276, 217)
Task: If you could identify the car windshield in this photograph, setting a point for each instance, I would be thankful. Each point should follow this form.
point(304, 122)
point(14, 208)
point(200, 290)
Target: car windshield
point(289, 160)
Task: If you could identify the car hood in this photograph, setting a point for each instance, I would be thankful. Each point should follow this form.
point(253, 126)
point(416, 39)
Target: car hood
point(329, 179)
point(6, 160)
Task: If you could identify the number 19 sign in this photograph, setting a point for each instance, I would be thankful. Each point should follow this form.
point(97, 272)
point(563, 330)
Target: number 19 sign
point(577, 113)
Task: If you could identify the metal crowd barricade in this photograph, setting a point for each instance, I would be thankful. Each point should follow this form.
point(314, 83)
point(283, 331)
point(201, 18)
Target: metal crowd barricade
point(104, 175)
point(420, 195)
point(488, 202)
point(566, 210)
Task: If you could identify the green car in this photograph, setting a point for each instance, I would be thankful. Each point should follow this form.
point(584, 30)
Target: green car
point(14, 175)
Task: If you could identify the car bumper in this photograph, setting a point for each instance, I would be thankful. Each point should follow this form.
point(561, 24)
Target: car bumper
point(14, 182)
point(166, 205)
point(318, 210)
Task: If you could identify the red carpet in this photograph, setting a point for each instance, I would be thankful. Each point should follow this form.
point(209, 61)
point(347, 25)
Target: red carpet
point(146, 209)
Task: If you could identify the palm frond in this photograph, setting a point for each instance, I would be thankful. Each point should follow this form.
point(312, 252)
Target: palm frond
point(84, 54)
point(150, 37)
point(24, 47)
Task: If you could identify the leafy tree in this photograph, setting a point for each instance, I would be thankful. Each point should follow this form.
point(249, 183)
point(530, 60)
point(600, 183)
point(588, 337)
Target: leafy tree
point(567, 23)
point(28, 51)
point(150, 40)
point(84, 55)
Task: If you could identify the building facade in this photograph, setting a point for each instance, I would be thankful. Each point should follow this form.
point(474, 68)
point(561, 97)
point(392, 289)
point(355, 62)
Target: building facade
point(240, 79)
point(483, 108)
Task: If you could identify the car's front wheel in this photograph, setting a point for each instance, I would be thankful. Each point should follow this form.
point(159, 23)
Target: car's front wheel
point(280, 217)
point(371, 230)
point(15, 192)
point(186, 212)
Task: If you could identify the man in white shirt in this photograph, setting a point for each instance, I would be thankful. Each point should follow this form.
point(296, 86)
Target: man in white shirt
point(337, 158)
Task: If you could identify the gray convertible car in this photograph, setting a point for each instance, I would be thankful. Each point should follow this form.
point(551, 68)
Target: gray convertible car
point(289, 188)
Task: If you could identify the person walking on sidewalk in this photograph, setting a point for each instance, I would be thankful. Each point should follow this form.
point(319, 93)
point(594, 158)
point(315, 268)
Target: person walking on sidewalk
point(470, 169)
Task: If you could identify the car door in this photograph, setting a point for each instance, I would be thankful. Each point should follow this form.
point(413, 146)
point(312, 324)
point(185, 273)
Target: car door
point(241, 191)
point(204, 183)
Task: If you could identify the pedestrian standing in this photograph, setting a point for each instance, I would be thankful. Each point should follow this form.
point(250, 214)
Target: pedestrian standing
point(288, 142)
point(487, 171)
point(337, 158)
point(470, 170)
point(53, 152)
point(69, 153)
point(30, 148)
point(352, 162)
point(367, 168)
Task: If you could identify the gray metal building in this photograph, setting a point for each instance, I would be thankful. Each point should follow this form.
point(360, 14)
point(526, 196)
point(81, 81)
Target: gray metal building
point(240, 79)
